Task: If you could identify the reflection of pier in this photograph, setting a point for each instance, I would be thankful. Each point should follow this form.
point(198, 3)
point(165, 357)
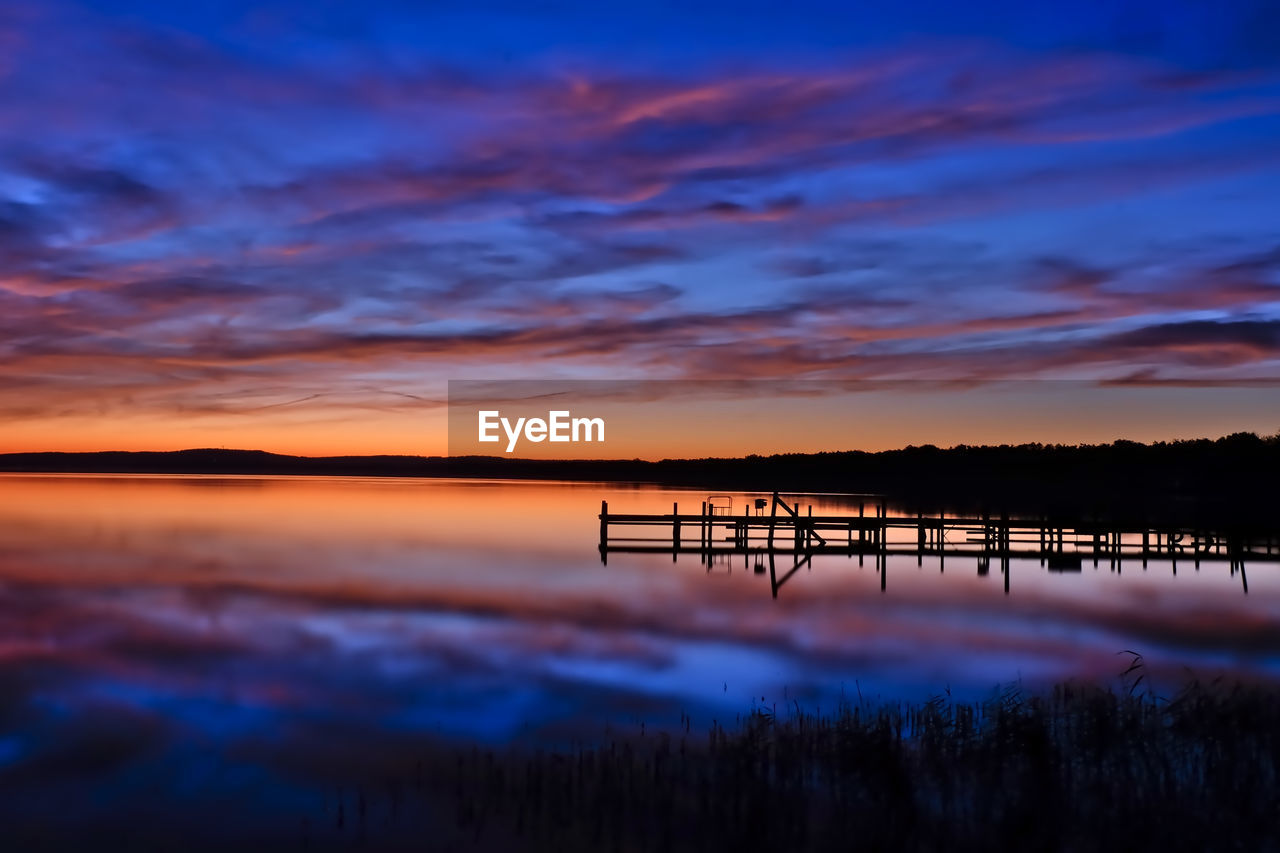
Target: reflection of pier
point(718, 535)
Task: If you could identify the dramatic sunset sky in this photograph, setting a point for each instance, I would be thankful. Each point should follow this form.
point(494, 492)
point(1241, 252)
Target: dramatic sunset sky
point(286, 226)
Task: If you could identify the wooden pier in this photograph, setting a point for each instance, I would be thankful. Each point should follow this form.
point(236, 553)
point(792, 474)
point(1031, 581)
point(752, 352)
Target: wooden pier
point(717, 533)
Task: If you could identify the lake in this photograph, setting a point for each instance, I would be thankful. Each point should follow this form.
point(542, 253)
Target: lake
point(252, 643)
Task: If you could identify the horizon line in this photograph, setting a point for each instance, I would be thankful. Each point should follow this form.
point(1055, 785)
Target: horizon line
point(502, 458)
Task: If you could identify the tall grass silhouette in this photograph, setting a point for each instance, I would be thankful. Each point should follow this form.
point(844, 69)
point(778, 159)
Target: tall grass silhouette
point(1082, 768)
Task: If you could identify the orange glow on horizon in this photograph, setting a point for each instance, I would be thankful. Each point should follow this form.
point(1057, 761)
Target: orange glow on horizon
point(700, 427)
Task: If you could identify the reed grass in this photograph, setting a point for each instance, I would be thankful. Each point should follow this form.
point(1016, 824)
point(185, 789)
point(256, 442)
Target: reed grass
point(1083, 768)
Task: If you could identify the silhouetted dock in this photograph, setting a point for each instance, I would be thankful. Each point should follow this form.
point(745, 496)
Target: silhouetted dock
point(716, 532)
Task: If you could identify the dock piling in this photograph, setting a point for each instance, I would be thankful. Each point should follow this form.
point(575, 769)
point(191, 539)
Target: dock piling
point(989, 536)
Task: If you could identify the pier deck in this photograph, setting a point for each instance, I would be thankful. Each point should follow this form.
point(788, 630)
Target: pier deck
point(1059, 544)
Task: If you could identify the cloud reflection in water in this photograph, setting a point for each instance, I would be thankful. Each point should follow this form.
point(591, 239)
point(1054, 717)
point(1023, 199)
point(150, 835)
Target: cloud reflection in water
point(168, 636)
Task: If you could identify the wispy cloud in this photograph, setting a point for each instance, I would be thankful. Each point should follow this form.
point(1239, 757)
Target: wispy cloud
point(185, 215)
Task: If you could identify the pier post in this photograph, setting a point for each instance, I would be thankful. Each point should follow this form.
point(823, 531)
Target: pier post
point(702, 534)
point(1004, 548)
point(604, 533)
point(882, 562)
point(941, 542)
point(862, 530)
point(773, 518)
point(675, 530)
point(773, 572)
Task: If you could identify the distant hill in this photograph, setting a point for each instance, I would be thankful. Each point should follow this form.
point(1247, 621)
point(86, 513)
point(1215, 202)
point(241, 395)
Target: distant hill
point(218, 461)
point(1233, 476)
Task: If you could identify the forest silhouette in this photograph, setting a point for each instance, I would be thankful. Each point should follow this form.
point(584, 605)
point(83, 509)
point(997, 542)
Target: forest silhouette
point(1225, 480)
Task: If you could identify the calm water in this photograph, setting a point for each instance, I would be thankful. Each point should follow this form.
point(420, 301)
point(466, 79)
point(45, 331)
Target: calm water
point(168, 637)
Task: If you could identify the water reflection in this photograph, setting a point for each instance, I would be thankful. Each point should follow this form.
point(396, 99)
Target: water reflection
point(166, 635)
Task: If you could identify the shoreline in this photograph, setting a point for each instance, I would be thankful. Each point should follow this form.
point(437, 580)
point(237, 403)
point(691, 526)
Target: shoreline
point(1226, 481)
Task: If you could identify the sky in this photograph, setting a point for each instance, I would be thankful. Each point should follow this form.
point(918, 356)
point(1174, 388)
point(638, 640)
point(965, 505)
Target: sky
point(288, 225)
